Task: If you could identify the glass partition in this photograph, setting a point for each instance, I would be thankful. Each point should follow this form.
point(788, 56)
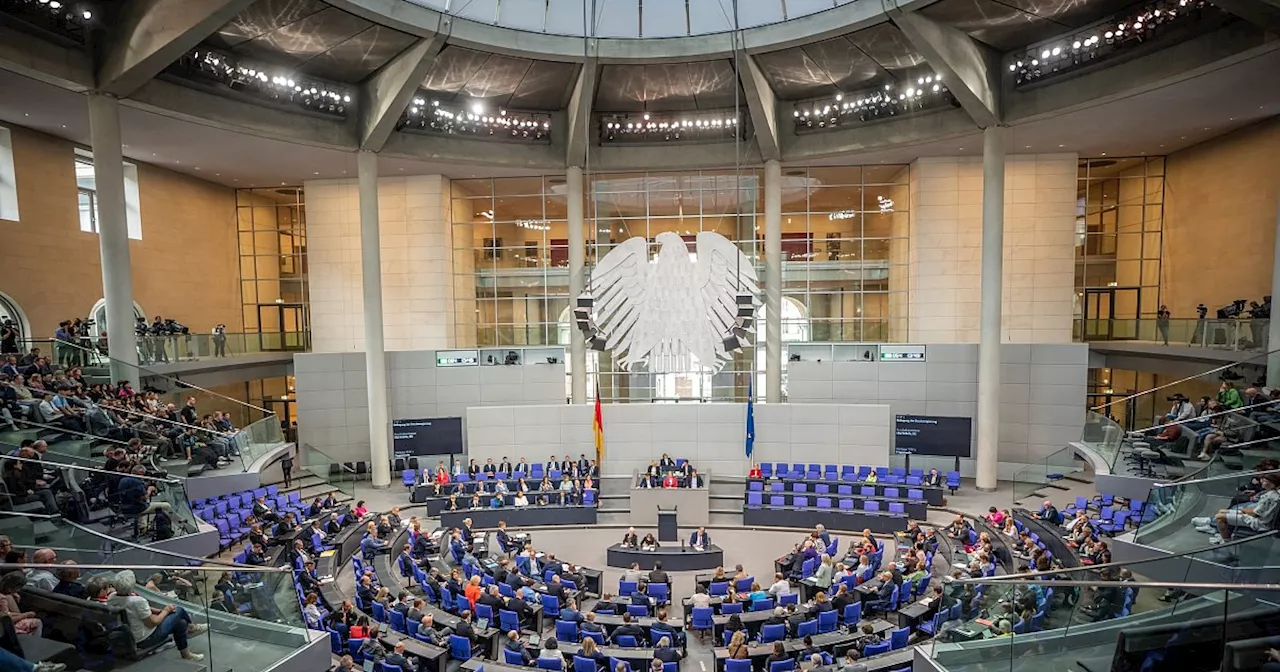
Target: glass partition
point(1031, 478)
point(1243, 334)
point(1175, 511)
point(327, 470)
point(1103, 435)
point(260, 429)
point(253, 614)
point(1096, 618)
point(89, 497)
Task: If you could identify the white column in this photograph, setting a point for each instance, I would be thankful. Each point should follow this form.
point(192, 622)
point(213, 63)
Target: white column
point(1273, 329)
point(773, 281)
point(375, 354)
point(113, 235)
point(989, 328)
point(577, 263)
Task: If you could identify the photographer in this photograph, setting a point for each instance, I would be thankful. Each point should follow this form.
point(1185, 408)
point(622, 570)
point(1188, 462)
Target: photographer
point(156, 333)
point(9, 337)
point(220, 340)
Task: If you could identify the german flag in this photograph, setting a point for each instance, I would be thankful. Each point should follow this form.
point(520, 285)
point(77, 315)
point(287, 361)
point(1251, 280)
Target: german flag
point(597, 425)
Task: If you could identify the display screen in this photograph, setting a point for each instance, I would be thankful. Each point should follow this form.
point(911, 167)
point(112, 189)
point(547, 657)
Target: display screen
point(427, 436)
point(932, 435)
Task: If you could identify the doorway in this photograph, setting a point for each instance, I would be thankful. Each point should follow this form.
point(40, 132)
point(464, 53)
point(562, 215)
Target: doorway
point(283, 408)
point(1111, 313)
point(282, 326)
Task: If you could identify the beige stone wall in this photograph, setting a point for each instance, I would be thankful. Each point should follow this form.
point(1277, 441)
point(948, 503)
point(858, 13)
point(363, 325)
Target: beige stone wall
point(417, 264)
point(1220, 219)
point(184, 266)
point(946, 249)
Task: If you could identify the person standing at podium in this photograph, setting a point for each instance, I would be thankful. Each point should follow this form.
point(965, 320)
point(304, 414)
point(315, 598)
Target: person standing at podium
point(700, 540)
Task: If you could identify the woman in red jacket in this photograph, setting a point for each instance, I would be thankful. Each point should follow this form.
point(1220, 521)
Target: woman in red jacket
point(442, 479)
point(755, 471)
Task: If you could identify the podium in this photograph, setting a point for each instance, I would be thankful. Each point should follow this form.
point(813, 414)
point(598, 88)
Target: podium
point(668, 529)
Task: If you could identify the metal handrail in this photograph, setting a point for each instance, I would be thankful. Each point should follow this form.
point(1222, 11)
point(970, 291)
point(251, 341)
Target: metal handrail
point(1236, 476)
point(151, 549)
point(159, 568)
point(1118, 565)
point(63, 430)
point(1146, 584)
point(1224, 367)
point(63, 465)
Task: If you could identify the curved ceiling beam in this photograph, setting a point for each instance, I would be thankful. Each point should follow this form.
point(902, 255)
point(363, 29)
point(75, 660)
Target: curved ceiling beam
point(579, 114)
point(763, 105)
point(385, 95)
point(970, 69)
point(155, 33)
point(418, 20)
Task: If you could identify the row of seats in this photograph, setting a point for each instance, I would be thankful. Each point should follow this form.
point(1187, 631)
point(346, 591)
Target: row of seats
point(229, 512)
point(914, 494)
point(850, 472)
point(755, 500)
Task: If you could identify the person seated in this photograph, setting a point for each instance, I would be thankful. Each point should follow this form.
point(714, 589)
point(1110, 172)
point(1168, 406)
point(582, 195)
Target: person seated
point(867, 638)
point(645, 481)
point(693, 480)
point(520, 500)
point(150, 627)
point(779, 655)
point(629, 539)
point(994, 517)
point(700, 539)
point(1049, 513)
point(629, 628)
point(670, 481)
point(649, 543)
point(664, 651)
point(755, 472)
point(872, 477)
point(959, 528)
point(1260, 517)
point(514, 645)
point(398, 658)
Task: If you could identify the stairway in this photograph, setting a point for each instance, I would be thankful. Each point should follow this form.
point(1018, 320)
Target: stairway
point(725, 507)
point(615, 500)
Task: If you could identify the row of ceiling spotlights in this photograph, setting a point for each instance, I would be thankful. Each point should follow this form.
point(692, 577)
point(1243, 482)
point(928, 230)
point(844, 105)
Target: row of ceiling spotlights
point(922, 85)
point(56, 6)
point(665, 125)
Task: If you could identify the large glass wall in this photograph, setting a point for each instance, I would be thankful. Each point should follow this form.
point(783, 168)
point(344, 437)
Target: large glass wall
point(1120, 218)
point(844, 248)
point(272, 227)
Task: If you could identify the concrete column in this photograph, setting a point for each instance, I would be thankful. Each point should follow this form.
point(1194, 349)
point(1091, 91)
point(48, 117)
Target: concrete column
point(1273, 329)
point(773, 281)
point(989, 337)
point(577, 264)
point(375, 353)
point(113, 234)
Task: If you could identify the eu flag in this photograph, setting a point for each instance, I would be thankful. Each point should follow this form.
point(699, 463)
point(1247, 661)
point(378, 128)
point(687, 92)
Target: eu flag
point(751, 419)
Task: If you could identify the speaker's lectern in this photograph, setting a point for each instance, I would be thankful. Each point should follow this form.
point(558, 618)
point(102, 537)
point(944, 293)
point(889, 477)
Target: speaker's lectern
point(668, 528)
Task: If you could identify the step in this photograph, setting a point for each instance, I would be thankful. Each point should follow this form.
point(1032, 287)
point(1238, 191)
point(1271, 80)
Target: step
point(614, 518)
point(736, 497)
point(727, 519)
point(725, 509)
point(619, 508)
point(623, 496)
point(16, 438)
point(734, 489)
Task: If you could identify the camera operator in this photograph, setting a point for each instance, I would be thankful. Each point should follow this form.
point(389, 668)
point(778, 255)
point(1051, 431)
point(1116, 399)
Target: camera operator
point(9, 337)
point(63, 348)
point(220, 340)
point(1199, 333)
point(143, 334)
point(1258, 316)
point(157, 332)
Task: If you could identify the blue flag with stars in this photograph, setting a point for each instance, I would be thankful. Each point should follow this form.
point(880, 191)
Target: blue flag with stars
point(751, 418)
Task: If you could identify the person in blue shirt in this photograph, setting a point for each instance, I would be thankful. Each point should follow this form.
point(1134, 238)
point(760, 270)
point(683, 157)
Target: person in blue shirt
point(700, 538)
point(371, 545)
point(497, 501)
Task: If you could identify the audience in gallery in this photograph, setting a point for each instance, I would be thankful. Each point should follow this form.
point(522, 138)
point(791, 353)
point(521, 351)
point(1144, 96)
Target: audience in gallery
point(490, 485)
point(667, 472)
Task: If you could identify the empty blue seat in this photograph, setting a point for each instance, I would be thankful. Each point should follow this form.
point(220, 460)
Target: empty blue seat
point(871, 505)
point(897, 507)
point(898, 638)
point(915, 495)
point(754, 500)
point(891, 493)
point(844, 490)
point(800, 502)
point(827, 620)
point(846, 505)
point(772, 633)
point(755, 486)
point(799, 487)
point(875, 649)
point(824, 502)
point(821, 489)
point(777, 500)
point(867, 491)
point(807, 628)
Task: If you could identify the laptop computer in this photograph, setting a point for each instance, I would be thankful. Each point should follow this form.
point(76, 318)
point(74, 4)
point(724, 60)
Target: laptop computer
point(482, 623)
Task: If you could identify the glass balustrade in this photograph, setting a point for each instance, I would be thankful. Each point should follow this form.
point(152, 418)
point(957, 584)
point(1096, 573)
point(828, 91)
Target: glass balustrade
point(88, 497)
point(329, 471)
point(1244, 334)
point(1175, 510)
point(253, 614)
point(1103, 435)
point(260, 429)
point(1106, 619)
point(1030, 479)
point(172, 348)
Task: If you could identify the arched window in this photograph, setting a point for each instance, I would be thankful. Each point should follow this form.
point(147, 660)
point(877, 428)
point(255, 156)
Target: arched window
point(99, 316)
point(795, 329)
point(10, 310)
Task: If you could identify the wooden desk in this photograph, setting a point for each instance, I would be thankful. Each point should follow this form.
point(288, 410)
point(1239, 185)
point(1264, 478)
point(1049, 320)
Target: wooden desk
point(435, 657)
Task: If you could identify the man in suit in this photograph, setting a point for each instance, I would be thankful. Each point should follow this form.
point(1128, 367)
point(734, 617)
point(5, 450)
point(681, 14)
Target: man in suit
point(569, 612)
point(493, 600)
point(286, 525)
point(550, 564)
point(422, 545)
point(557, 590)
point(632, 574)
point(524, 610)
point(473, 468)
point(414, 613)
point(514, 645)
point(658, 575)
point(566, 465)
point(884, 593)
point(364, 593)
point(693, 480)
point(490, 468)
point(307, 579)
point(1048, 512)
point(504, 467)
point(589, 624)
point(823, 535)
point(666, 630)
point(371, 545)
point(298, 555)
point(398, 658)
point(255, 555)
point(640, 597)
point(629, 628)
point(504, 539)
point(700, 538)
point(584, 465)
point(842, 599)
point(433, 580)
point(465, 628)
point(263, 512)
point(552, 464)
point(468, 533)
point(427, 630)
